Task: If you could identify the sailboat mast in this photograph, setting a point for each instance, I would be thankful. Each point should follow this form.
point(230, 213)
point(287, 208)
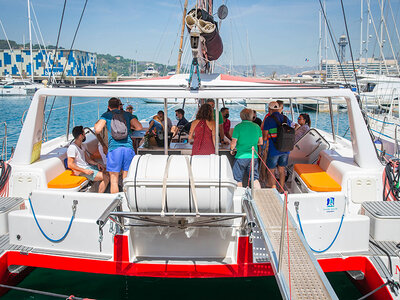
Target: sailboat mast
point(381, 40)
point(30, 38)
point(178, 65)
point(361, 31)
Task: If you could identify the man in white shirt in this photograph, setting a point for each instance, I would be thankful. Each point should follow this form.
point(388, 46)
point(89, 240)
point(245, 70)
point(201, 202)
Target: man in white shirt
point(82, 164)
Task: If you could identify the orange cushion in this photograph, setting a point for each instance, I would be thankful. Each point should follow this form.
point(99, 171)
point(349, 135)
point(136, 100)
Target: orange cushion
point(66, 180)
point(316, 179)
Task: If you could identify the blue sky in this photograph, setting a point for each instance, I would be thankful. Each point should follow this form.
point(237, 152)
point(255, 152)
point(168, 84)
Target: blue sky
point(276, 31)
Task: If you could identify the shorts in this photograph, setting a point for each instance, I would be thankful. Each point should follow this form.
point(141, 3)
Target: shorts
point(119, 159)
point(92, 176)
point(242, 166)
point(280, 160)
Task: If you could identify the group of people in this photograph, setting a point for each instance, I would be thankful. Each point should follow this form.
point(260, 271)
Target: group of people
point(116, 148)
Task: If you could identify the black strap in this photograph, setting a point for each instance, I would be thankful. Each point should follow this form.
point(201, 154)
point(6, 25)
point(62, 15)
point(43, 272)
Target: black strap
point(190, 192)
point(134, 181)
point(219, 185)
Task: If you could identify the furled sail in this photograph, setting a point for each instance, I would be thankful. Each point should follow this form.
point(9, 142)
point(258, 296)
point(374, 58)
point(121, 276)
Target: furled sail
point(212, 46)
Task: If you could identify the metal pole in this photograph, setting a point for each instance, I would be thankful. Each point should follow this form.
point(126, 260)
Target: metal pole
point(165, 127)
point(361, 30)
point(178, 65)
point(68, 118)
point(291, 108)
point(316, 115)
point(252, 172)
point(283, 229)
point(216, 127)
point(5, 139)
point(331, 116)
point(30, 39)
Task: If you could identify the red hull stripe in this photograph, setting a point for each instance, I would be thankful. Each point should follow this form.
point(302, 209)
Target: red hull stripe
point(243, 268)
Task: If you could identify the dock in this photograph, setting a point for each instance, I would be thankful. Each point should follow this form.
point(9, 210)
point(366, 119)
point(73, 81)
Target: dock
point(306, 279)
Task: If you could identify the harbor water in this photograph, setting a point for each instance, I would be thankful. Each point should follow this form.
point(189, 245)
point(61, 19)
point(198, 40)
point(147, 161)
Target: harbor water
point(97, 286)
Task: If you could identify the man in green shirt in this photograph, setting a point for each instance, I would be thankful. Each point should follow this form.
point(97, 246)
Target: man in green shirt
point(245, 136)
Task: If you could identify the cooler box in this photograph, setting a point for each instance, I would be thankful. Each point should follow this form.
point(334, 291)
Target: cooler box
point(212, 176)
point(384, 219)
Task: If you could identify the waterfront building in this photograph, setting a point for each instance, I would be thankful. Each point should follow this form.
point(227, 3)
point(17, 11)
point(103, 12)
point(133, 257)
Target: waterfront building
point(78, 63)
point(367, 66)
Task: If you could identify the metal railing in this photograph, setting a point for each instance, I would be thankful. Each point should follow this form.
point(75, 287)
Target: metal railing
point(4, 146)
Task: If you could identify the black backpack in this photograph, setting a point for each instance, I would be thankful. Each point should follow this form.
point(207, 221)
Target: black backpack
point(285, 139)
point(119, 129)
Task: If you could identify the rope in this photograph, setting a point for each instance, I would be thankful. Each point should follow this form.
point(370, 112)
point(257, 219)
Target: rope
point(41, 230)
point(287, 220)
point(73, 40)
point(334, 239)
point(384, 122)
point(351, 50)
point(71, 297)
point(288, 249)
point(58, 39)
point(192, 185)
point(332, 41)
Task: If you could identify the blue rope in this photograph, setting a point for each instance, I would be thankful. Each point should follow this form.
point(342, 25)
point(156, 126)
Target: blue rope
point(380, 133)
point(44, 234)
point(380, 121)
point(334, 239)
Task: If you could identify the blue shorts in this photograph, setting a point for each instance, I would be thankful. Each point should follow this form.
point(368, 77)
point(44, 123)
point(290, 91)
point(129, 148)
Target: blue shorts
point(242, 166)
point(92, 176)
point(280, 160)
point(119, 159)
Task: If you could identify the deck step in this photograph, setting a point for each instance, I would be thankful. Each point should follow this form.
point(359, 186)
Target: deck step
point(307, 280)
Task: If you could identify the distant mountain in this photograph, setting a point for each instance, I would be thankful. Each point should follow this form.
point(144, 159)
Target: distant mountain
point(265, 70)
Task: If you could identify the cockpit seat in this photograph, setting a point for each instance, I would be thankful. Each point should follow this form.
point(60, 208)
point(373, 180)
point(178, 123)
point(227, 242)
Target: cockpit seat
point(67, 180)
point(316, 179)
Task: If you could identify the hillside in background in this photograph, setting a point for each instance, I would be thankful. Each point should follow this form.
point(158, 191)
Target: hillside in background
point(117, 65)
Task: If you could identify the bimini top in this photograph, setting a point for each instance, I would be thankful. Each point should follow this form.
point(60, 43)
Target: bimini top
point(216, 86)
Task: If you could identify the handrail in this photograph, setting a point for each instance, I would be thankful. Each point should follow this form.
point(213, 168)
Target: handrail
point(5, 142)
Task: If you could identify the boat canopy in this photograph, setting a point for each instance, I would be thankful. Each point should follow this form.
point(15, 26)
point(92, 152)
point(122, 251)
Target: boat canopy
point(214, 86)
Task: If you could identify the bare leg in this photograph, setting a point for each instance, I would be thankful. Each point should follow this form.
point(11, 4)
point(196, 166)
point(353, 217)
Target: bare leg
point(239, 184)
point(271, 179)
point(257, 185)
point(124, 174)
point(281, 177)
point(114, 182)
point(105, 179)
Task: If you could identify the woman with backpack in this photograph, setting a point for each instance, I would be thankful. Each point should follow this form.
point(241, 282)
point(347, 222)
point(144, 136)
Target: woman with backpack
point(202, 132)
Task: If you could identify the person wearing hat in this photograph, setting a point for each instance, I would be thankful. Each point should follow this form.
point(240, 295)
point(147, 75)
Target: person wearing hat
point(120, 151)
point(81, 164)
point(275, 158)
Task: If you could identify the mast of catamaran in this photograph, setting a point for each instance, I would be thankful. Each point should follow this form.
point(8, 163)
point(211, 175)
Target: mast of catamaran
point(178, 65)
point(30, 39)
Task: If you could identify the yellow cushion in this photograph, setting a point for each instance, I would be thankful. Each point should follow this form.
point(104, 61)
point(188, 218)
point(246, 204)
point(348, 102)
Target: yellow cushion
point(316, 179)
point(66, 180)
